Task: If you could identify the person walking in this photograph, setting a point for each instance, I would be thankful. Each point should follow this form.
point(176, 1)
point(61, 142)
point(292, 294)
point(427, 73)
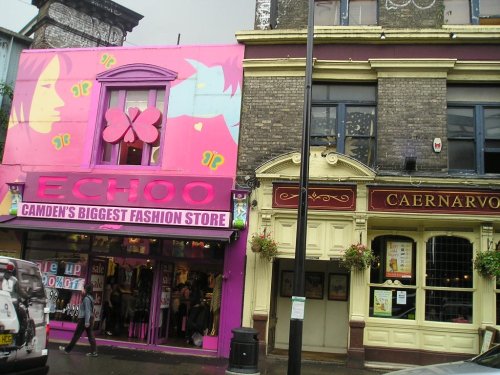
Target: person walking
point(85, 322)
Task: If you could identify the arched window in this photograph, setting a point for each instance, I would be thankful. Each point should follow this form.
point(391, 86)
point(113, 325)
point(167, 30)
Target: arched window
point(448, 280)
point(132, 115)
point(393, 280)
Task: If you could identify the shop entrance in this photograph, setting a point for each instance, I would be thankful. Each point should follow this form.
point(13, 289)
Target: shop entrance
point(189, 308)
point(173, 299)
point(126, 297)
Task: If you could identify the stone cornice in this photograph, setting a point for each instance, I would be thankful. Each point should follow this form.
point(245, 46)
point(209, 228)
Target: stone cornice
point(371, 70)
point(372, 35)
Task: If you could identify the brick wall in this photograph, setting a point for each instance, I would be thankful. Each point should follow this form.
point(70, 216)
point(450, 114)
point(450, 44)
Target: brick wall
point(411, 113)
point(271, 120)
point(413, 14)
point(292, 14)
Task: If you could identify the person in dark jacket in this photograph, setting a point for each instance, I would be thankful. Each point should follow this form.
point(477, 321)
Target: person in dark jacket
point(85, 323)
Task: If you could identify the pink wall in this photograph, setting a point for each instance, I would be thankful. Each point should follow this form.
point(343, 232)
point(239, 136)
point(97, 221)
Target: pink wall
point(53, 118)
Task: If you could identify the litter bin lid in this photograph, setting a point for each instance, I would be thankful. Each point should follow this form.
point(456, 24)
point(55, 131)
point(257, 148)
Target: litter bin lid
point(245, 334)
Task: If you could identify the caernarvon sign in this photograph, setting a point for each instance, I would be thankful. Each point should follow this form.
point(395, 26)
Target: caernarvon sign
point(133, 215)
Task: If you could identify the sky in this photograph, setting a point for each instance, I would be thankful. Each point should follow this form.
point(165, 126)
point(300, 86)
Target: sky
point(198, 21)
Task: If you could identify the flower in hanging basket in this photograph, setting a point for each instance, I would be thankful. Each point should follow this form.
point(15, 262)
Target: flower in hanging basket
point(357, 257)
point(263, 244)
point(487, 263)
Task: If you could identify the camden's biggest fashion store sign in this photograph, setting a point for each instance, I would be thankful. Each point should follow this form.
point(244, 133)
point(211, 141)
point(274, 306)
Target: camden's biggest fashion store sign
point(172, 200)
point(434, 200)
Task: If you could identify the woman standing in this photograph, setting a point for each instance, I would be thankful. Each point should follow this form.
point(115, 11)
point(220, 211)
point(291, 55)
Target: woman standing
point(85, 323)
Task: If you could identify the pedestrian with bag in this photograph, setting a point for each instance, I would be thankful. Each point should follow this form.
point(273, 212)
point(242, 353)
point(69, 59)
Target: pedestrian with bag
point(85, 323)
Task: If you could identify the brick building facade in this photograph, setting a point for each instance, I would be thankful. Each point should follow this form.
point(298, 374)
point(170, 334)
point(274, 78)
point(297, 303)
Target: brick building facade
point(404, 138)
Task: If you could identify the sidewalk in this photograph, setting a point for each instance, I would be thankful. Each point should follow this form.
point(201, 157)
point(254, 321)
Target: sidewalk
point(116, 361)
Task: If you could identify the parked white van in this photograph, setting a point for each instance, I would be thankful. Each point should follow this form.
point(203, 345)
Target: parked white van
point(24, 318)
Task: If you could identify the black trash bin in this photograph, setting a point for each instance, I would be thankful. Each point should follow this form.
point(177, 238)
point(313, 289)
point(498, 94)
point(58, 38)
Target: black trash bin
point(244, 354)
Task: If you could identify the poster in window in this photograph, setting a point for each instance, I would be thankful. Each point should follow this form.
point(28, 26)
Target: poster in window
point(314, 285)
point(382, 303)
point(337, 287)
point(398, 261)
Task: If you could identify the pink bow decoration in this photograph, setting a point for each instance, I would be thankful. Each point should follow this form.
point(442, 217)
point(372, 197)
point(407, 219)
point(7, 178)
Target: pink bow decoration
point(127, 127)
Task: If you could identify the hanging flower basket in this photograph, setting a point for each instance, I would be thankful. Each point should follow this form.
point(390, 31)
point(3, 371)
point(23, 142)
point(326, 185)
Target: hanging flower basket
point(357, 257)
point(487, 264)
point(263, 244)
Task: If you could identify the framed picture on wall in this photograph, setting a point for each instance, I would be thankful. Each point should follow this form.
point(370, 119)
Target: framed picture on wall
point(338, 285)
point(399, 259)
point(286, 286)
point(315, 282)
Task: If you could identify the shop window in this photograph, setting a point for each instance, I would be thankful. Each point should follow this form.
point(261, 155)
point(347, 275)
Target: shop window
point(132, 116)
point(58, 241)
point(462, 12)
point(345, 12)
point(474, 129)
point(448, 273)
point(344, 116)
point(392, 279)
point(192, 249)
point(63, 271)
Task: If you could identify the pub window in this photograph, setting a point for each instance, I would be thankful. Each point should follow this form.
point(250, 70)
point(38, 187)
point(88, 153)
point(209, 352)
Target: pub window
point(345, 12)
point(132, 115)
point(473, 118)
point(393, 279)
point(344, 116)
point(449, 280)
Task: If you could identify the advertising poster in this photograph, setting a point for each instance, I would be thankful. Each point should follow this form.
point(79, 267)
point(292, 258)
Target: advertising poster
point(398, 262)
point(382, 303)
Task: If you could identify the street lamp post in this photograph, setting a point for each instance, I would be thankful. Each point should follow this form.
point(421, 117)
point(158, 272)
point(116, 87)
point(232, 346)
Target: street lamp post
point(298, 299)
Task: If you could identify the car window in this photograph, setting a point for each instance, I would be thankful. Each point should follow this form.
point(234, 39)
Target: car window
point(489, 359)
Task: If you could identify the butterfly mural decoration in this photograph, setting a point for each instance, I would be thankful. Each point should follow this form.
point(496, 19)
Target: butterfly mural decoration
point(126, 127)
point(61, 140)
point(108, 60)
point(212, 160)
point(82, 88)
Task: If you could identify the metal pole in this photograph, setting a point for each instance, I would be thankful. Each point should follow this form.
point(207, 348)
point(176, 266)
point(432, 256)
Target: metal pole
point(296, 325)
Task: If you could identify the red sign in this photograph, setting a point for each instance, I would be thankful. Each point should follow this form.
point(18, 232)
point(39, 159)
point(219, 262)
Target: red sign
point(433, 201)
point(339, 198)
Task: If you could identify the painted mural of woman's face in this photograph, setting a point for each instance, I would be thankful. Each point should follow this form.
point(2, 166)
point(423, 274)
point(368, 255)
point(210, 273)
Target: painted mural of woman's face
point(45, 104)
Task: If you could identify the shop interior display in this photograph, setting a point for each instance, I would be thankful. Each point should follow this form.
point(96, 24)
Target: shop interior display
point(175, 285)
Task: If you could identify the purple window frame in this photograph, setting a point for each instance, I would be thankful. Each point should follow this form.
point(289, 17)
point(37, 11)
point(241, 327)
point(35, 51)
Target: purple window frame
point(129, 77)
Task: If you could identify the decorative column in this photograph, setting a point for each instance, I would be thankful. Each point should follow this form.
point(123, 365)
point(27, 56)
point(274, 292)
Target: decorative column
point(486, 286)
point(356, 351)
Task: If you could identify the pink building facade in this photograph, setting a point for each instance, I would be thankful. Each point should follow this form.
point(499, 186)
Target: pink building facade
point(119, 169)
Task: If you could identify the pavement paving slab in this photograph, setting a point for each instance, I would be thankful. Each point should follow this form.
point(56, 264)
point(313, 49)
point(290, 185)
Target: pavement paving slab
point(117, 361)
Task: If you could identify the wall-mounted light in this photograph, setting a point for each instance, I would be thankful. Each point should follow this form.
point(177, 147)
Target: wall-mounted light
point(453, 36)
point(410, 163)
point(251, 181)
point(382, 36)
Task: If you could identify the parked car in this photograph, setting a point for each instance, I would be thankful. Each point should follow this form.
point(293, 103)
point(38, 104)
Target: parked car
point(24, 318)
point(484, 364)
